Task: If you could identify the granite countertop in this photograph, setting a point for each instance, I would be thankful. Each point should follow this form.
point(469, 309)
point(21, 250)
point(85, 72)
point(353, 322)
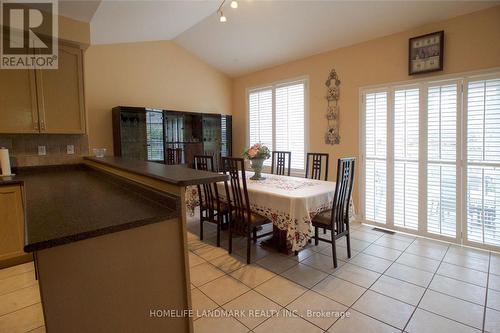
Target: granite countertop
point(173, 174)
point(65, 204)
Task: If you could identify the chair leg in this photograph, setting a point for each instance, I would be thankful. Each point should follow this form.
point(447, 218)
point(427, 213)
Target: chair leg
point(230, 231)
point(201, 224)
point(324, 230)
point(348, 241)
point(316, 238)
point(255, 235)
point(334, 251)
point(219, 223)
point(248, 244)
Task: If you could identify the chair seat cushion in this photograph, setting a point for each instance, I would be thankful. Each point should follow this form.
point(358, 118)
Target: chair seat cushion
point(255, 219)
point(323, 219)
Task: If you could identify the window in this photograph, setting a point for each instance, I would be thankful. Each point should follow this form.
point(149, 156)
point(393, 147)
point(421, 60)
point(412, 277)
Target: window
point(277, 119)
point(376, 163)
point(483, 161)
point(406, 135)
point(431, 158)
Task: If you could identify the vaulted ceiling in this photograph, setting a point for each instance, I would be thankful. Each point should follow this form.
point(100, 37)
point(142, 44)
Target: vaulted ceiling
point(258, 34)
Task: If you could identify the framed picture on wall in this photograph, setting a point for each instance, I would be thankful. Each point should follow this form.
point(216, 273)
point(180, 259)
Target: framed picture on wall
point(426, 53)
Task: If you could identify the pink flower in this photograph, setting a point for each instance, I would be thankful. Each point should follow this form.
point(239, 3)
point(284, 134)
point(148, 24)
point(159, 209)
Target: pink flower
point(252, 152)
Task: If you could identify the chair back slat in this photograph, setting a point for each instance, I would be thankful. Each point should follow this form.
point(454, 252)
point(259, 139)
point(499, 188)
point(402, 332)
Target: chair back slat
point(314, 165)
point(280, 161)
point(173, 156)
point(237, 193)
point(343, 192)
point(207, 193)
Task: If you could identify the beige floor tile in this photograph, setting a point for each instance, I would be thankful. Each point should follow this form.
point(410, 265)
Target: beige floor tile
point(409, 274)
point(359, 323)
point(428, 250)
point(24, 320)
point(469, 252)
point(302, 255)
point(276, 263)
point(19, 299)
point(339, 290)
point(218, 325)
point(14, 270)
point(463, 274)
point(18, 281)
point(210, 252)
point(252, 275)
point(356, 244)
point(200, 302)
point(341, 252)
point(254, 308)
point(479, 264)
point(204, 273)
point(357, 275)
point(463, 290)
point(453, 308)
point(224, 289)
point(323, 263)
point(382, 252)
point(304, 275)
point(418, 262)
point(493, 299)
point(317, 309)
point(287, 323)
point(400, 290)
point(370, 262)
point(256, 252)
point(228, 262)
point(384, 308)
point(492, 321)
point(281, 290)
point(494, 282)
point(423, 321)
point(365, 236)
point(195, 260)
point(393, 243)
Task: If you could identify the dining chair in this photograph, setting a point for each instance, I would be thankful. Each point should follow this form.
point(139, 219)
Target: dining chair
point(336, 219)
point(278, 162)
point(211, 208)
point(173, 156)
point(314, 165)
point(239, 204)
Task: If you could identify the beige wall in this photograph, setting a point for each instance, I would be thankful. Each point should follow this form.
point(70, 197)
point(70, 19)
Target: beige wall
point(152, 74)
point(472, 42)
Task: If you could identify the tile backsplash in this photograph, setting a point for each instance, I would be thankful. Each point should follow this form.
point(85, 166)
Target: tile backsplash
point(23, 148)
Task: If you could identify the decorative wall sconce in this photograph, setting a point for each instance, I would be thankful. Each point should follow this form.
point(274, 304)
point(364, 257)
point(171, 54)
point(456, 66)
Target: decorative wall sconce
point(332, 84)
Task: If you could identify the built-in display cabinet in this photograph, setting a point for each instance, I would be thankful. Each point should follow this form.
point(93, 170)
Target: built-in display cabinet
point(48, 101)
point(145, 134)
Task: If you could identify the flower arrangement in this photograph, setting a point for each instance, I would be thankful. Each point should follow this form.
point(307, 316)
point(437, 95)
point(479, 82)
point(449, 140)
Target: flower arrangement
point(257, 151)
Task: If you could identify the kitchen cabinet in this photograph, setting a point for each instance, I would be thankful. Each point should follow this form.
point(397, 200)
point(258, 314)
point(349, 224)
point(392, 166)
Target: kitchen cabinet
point(18, 105)
point(11, 226)
point(48, 101)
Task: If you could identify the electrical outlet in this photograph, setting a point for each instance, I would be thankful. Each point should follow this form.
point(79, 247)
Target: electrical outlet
point(70, 149)
point(42, 150)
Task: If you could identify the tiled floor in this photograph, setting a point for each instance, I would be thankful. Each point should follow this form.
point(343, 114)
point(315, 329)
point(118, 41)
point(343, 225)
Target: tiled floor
point(392, 283)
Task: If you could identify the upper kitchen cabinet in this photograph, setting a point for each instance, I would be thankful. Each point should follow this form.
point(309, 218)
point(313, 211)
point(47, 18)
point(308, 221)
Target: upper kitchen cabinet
point(60, 94)
point(18, 108)
point(44, 101)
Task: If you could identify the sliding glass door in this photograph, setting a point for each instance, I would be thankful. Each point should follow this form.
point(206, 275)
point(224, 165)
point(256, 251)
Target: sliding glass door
point(431, 159)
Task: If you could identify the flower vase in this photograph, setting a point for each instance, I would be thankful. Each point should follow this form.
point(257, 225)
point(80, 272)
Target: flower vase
point(256, 164)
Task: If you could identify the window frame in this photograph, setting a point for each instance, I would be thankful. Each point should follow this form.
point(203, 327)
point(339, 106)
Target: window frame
point(273, 86)
point(462, 80)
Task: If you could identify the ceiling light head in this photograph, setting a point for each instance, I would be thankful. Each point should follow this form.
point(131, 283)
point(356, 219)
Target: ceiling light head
point(234, 4)
point(222, 18)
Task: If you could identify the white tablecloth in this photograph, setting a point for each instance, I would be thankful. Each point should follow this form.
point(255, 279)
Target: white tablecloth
point(289, 202)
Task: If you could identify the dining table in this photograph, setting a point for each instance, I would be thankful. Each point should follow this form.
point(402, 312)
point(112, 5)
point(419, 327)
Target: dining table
point(290, 203)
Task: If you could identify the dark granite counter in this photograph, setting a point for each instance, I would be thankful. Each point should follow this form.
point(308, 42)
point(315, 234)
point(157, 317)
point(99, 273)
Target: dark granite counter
point(70, 203)
point(10, 180)
point(173, 174)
